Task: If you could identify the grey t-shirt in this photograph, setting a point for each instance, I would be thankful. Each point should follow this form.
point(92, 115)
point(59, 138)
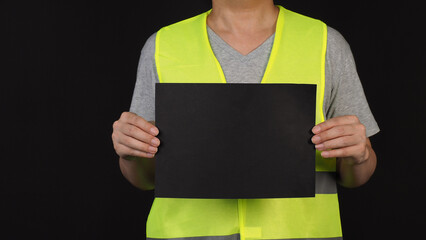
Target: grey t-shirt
point(343, 95)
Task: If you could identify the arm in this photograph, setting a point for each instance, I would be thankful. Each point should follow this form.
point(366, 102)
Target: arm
point(354, 174)
point(137, 163)
point(136, 143)
point(345, 138)
point(138, 171)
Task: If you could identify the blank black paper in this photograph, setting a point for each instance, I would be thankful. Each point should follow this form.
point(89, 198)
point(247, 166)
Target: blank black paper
point(235, 140)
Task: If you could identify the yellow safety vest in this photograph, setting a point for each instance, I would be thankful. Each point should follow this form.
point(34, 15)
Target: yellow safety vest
point(183, 55)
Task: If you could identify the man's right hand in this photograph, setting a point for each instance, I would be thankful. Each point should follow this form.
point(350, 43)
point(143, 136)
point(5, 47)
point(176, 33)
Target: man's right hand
point(134, 136)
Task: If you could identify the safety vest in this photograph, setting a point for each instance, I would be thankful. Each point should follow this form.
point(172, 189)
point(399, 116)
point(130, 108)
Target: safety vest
point(183, 55)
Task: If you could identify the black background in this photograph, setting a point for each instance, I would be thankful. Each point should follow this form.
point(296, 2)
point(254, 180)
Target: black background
point(68, 70)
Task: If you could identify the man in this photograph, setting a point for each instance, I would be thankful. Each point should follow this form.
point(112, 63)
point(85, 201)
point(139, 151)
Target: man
point(242, 34)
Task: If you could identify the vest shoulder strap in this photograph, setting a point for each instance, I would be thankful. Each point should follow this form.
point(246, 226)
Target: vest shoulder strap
point(176, 42)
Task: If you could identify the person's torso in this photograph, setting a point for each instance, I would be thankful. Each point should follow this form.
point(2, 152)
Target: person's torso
point(184, 55)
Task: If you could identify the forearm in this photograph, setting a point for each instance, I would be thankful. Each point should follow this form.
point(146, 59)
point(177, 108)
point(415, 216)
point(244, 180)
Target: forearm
point(354, 175)
point(135, 143)
point(139, 171)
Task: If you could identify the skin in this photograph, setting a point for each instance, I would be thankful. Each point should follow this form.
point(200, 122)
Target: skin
point(345, 138)
point(244, 25)
point(136, 143)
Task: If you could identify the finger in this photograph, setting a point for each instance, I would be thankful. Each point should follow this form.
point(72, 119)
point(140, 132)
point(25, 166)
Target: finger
point(336, 121)
point(135, 132)
point(332, 133)
point(351, 151)
point(123, 151)
point(340, 142)
point(141, 123)
point(133, 143)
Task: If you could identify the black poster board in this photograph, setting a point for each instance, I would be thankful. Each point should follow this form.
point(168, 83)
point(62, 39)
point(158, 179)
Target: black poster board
point(235, 140)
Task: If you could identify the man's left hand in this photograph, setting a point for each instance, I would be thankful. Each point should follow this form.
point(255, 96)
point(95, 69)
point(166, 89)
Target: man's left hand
point(342, 137)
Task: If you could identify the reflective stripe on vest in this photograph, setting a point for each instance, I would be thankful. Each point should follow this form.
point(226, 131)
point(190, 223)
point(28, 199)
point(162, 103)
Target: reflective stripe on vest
point(237, 237)
point(183, 55)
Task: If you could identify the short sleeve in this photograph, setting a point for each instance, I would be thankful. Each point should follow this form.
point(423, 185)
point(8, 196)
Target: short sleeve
point(344, 94)
point(143, 100)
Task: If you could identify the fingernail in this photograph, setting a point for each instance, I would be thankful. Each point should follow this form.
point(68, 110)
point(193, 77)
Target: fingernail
point(154, 131)
point(319, 146)
point(152, 149)
point(155, 142)
point(316, 129)
point(316, 139)
point(325, 154)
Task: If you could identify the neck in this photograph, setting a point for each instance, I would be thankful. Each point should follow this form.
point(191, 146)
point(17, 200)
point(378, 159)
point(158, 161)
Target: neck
point(236, 16)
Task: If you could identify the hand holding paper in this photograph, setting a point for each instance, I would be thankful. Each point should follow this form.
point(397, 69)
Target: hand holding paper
point(341, 137)
point(345, 139)
point(134, 136)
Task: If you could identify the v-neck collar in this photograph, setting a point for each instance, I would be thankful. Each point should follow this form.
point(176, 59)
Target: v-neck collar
point(214, 37)
point(277, 38)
